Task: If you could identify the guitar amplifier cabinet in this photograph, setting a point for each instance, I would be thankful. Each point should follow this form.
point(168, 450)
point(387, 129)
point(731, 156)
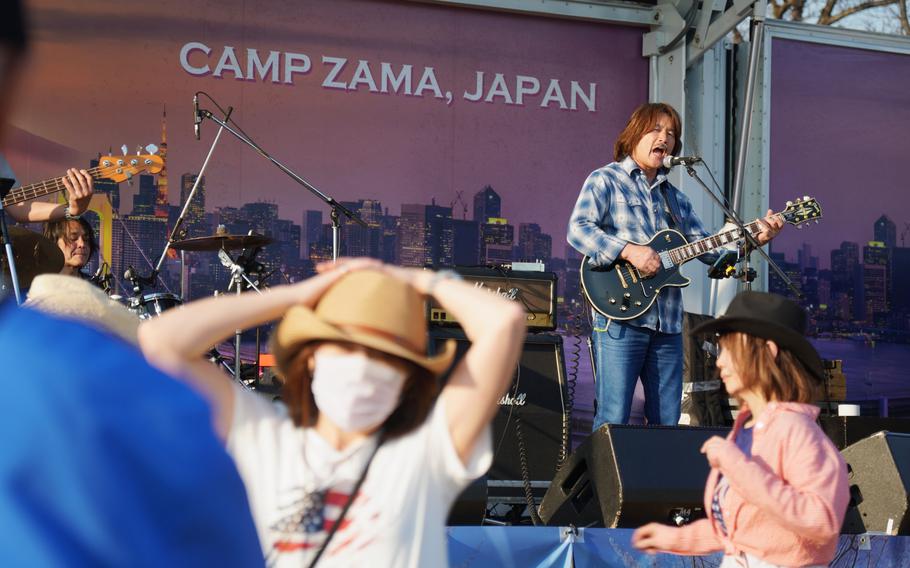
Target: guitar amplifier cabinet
point(536, 291)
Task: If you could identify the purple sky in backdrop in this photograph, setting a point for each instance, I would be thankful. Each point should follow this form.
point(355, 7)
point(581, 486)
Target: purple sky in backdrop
point(839, 125)
point(101, 72)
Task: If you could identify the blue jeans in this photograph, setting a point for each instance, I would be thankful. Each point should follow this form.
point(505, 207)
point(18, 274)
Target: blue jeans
point(622, 354)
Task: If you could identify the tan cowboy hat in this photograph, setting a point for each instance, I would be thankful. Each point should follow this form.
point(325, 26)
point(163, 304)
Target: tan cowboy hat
point(369, 308)
point(75, 298)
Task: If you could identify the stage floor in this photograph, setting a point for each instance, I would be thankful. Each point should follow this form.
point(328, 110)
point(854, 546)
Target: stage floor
point(543, 547)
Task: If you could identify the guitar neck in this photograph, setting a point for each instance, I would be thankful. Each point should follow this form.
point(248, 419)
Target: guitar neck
point(687, 252)
point(35, 190)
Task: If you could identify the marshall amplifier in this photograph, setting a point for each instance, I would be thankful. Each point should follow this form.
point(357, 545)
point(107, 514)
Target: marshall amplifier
point(531, 428)
point(536, 291)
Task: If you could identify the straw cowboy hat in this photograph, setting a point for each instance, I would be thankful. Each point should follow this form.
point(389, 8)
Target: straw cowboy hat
point(369, 308)
point(75, 298)
point(773, 317)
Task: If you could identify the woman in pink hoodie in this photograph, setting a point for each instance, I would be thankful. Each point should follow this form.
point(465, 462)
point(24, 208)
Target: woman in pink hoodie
point(777, 491)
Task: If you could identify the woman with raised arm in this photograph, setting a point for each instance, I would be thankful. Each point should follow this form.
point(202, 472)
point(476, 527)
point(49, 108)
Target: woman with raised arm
point(361, 463)
point(777, 492)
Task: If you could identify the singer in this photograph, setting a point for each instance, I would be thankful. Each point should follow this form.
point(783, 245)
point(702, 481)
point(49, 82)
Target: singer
point(624, 202)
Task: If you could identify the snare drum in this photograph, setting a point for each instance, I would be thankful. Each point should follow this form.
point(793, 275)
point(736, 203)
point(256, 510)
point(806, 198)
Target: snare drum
point(151, 305)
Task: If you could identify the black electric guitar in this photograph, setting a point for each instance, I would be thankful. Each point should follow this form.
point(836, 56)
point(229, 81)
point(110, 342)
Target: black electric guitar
point(618, 290)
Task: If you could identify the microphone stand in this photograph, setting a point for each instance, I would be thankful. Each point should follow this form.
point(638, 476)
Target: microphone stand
point(750, 240)
point(337, 208)
point(186, 206)
point(7, 184)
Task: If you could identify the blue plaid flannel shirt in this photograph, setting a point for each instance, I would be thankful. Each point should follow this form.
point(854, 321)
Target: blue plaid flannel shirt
point(617, 205)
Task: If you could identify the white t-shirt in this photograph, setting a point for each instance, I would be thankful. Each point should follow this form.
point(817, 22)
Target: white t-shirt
point(297, 485)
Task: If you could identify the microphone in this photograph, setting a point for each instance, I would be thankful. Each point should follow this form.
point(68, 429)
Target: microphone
point(670, 161)
point(197, 118)
point(97, 275)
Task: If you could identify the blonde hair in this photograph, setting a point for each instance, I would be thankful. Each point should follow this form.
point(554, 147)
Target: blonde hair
point(782, 378)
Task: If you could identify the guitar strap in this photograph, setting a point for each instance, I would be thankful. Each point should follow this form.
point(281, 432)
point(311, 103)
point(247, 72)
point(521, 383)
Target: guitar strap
point(671, 208)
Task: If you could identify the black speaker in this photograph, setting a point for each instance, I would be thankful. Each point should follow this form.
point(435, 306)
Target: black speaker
point(847, 430)
point(625, 476)
point(531, 428)
point(878, 469)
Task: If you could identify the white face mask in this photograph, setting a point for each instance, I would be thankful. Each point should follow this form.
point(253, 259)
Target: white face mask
point(355, 392)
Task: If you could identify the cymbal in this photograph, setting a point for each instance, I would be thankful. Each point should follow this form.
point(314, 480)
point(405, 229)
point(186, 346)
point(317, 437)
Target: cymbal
point(218, 242)
point(34, 255)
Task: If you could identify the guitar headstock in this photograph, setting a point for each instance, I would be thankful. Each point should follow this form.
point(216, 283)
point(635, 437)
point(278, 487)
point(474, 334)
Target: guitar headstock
point(123, 168)
point(801, 211)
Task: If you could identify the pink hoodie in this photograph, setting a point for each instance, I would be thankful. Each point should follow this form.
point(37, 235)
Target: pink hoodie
point(786, 502)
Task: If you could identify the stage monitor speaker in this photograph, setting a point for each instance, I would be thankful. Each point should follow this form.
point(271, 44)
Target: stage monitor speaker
point(625, 476)
point(536, 403)
point(879, 475)
point(847, 430)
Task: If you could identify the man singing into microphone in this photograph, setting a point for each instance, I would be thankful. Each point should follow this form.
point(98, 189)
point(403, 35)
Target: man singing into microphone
point(623, 203)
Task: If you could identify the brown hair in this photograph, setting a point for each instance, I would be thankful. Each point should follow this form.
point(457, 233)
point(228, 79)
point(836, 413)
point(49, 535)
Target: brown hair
point(54, 230)
point(642, 120)
point(417, 395)
point(783, 378)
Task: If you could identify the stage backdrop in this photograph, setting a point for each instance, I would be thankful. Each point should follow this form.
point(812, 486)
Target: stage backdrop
point(462, 136)
point(836, 113)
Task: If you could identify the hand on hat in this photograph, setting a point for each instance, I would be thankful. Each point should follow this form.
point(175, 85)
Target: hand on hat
point(770, 227)
point(347, 264)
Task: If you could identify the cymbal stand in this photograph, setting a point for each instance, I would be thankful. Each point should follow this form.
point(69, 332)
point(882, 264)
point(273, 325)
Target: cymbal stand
point(238, 276)
point(5, 186)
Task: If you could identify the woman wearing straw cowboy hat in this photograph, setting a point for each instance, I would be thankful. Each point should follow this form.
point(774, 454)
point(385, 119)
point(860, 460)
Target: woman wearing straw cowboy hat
point(364, 463)
point(777, 492)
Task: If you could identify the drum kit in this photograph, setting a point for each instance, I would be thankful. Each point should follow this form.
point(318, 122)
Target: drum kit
point(35, 254)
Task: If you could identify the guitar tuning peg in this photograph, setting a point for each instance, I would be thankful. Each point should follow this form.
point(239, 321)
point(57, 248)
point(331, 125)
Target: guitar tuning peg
point(789, 204)
point(806, 198)
point(816, 221)
point(124, 149)
point(138, 149)
point(151, 149)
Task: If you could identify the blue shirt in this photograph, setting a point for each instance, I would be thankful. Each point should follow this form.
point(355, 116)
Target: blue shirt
point(618, 205)
point(106, 461)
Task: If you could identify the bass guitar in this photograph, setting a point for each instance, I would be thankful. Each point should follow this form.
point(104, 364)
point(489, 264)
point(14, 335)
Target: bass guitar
point(114, 168)
point(620, 292)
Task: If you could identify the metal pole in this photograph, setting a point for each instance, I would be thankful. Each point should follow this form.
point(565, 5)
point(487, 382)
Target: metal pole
point(746, 125)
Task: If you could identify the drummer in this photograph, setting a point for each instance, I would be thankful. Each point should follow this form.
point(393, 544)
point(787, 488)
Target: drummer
point(76, 240)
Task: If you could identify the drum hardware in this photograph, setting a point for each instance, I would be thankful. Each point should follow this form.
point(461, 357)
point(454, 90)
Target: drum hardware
point(32, 254)
point(152, 305)
point(238, 277)
point(5, 185)
point(218, 242)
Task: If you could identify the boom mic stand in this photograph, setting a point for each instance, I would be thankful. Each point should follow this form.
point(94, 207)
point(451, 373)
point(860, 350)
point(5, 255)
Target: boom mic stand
point(750, 240)
point(336, 207)
point(186, 206)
